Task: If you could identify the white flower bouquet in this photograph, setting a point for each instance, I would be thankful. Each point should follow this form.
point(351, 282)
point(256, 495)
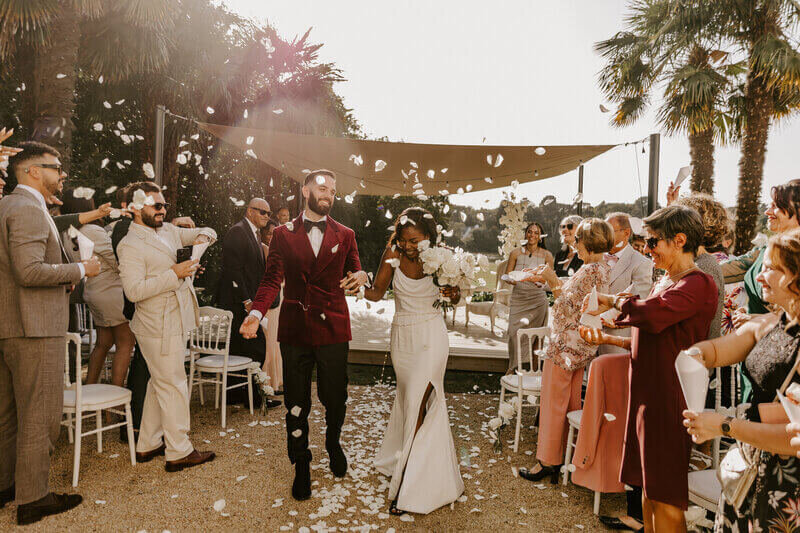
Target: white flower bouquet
point(505, 413)
point(513, 221)
point(264, 389)
point(452, 268)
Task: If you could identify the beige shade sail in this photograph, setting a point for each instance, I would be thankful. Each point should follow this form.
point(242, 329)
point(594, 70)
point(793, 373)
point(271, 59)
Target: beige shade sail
point(435, 167)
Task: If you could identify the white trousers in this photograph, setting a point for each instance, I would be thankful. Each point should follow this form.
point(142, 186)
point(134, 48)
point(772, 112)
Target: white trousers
point(165, 415)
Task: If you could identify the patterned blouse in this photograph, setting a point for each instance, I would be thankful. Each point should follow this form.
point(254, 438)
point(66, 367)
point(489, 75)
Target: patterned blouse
point(567, 349)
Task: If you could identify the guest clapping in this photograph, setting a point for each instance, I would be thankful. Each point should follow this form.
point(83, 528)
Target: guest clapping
point(567, 261)
point(529, 305)
point(768, 345)
point(676, 315)
point(567, 353)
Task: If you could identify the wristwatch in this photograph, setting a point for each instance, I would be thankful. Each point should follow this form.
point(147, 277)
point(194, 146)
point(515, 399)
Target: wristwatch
point(726, 426)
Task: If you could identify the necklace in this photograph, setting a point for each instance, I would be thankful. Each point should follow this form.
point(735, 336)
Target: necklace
point(679, 275)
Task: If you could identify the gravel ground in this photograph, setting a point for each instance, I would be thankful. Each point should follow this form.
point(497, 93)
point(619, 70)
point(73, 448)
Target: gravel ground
point(253, 476)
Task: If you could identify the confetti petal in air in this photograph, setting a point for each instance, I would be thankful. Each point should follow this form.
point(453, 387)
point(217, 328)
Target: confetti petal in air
point(107, 105)
point(498, 160)
point(148, 171)
point(388, 214)
point(394, 262)
point(540, 150)
point(60, 76)
point(578, 198)
point(431, 174)
point(251, 153)
point(290, 198)
point(210, 110)
point(249, 140)
point(469, 188)
point(488, 180)
point(479, 216)
point(604, 109)
point(104, 163)
point(444, 170)
point(609, 417)
point(547, 200)
point(356, 159)
point(97, 126)
point(182, 159)
point(277, 111)
point(380, 164)
point(111, 189)
point(414, 164)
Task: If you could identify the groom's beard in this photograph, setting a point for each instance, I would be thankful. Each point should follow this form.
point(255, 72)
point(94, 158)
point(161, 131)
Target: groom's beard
point(321, 210)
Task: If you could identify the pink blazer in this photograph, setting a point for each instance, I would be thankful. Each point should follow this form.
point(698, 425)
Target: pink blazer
point(598, 453)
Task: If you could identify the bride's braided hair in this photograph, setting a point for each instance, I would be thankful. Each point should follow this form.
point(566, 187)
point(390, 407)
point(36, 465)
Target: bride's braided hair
point(415, 217)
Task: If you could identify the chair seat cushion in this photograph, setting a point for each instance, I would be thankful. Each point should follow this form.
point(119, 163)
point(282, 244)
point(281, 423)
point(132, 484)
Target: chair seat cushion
point(704, 483)
point(216, 362)
point(98, 394)
point(529, 383)
point(574, 418)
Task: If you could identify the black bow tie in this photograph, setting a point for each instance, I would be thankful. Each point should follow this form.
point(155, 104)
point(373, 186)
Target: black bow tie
point(308, 224)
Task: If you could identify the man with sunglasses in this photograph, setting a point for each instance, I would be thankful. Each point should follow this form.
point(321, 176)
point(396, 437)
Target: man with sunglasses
point(166, 309)
point(243, 266)
point(34, 285)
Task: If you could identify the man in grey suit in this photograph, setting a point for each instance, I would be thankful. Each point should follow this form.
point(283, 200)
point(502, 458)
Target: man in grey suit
point(629, 270)
point(34, 285)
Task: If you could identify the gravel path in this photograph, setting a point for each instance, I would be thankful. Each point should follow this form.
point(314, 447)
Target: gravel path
point(253, 476)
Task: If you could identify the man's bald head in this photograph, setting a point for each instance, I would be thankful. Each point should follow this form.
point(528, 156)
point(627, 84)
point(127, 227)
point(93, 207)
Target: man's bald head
point(258, 212)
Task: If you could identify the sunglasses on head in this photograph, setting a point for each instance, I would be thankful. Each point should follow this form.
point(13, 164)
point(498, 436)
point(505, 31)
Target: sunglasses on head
point(652, 242)
point(263, 212)
point(568, 226)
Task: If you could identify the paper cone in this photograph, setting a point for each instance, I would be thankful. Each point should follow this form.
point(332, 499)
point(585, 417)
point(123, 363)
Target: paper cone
point(592, 321)
point(693, 377)
point(593, 303)
point(612, 314)
point(85, 245)
point(199, 249)
point(791, 408)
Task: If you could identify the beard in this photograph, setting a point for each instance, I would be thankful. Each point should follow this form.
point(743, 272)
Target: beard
point(313, 204)
point(152, 221)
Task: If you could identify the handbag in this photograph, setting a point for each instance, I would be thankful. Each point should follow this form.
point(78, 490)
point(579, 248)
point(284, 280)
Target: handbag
point(739, 468)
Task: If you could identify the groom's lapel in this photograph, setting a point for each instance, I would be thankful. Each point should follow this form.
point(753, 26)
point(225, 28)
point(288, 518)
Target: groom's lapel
point(329, 248)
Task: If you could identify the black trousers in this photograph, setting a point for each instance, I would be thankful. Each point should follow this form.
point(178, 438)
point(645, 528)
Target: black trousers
point(298, 365)
point(138, 376)
point(255, 349)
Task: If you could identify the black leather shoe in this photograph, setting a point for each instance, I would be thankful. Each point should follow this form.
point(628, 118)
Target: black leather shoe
point(7, 496)
point(301, 488)
point(28, 513)
point(338, 460)
point(273, 403)
point(543, 472)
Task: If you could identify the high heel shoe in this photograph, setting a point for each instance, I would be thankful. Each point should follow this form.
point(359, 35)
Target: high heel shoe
point(393, 510)
point(543, 472)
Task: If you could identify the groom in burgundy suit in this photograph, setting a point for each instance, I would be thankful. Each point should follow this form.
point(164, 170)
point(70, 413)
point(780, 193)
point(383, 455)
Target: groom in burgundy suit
point(318, 259)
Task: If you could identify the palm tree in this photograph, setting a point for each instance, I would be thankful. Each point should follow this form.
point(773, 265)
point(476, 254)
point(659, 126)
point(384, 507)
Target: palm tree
point(45, 37)
point(657, 51)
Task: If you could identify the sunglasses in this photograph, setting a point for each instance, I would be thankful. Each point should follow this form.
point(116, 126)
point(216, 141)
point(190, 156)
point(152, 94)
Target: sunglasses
point(652, 242)
point(263, 212)
point(58, 168)
point(568, 226)
point(158, 206)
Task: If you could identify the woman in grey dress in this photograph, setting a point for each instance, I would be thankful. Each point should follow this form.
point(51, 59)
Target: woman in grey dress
point(529, 304)
point(103, 295)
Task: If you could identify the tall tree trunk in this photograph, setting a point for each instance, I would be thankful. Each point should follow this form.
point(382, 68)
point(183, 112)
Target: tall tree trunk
point(701, 150)
point(758, 111)
point(55, 72)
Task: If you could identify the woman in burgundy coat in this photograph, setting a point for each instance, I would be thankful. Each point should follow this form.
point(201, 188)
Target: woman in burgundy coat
point(676, 315)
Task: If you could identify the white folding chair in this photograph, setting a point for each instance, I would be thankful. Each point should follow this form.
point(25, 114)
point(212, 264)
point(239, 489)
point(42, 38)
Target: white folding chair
point(526, 382)
point(85, 325)
point(92, 399)
point(212, 338)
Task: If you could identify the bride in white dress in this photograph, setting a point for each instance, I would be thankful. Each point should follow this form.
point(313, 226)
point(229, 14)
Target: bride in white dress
point(417, 450)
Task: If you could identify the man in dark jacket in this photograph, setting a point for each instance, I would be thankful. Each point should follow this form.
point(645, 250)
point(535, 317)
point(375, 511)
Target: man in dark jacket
point(243, 265)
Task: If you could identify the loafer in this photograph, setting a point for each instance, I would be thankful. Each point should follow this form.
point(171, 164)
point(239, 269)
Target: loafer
point(301, 488)
point(53, 503)
point(193, 459)
point(7, 496)
point(146, 457)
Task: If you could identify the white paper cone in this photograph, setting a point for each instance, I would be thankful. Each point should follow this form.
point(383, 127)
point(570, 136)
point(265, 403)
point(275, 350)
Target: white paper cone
point(791, 408)
point(592, 321)
point(593, 303)
point(199, 249)
point(683, 173)
point(693, 377)
point(85, 245)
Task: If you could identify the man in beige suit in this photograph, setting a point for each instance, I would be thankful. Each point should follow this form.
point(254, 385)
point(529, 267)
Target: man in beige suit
point(34, 285)
point(166, 309)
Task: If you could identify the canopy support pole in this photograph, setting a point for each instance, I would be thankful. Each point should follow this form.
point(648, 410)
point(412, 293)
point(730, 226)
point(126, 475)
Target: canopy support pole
point(652, 187)
point(580, 190)
point(161, 113)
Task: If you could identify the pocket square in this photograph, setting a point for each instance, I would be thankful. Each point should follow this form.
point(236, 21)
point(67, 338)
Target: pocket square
point(334, 249)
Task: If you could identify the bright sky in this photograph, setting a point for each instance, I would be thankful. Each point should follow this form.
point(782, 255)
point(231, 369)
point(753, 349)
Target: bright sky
point(517, 72)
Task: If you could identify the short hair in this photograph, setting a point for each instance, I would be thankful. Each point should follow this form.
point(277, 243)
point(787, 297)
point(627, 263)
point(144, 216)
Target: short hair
point(72, 204)
point(624, 219)
point(596, 234)
point(146, 186)
point(787, 197)
point(575, 219)
point(716, 222)
point(321, 171)
point(668, 221)
point(30, 150)
point(282, 208)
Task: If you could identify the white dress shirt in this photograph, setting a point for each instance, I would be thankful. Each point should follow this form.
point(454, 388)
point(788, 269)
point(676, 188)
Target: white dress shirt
point(315, 235)
point(50, 220)
point(254, 229)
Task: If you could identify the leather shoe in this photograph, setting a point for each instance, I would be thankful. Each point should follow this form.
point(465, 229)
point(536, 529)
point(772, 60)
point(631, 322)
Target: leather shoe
point(273, 403)
point(301, 488)
point(193, 459)
point(7, 496)
point(53, 503)
point(338, 460)
point(146, 457)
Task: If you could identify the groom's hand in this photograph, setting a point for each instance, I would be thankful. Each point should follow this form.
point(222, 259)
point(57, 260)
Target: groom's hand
point(353, 282)
point(249, 327)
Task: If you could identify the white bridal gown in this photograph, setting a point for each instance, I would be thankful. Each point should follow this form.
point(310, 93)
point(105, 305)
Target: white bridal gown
point(424, 468)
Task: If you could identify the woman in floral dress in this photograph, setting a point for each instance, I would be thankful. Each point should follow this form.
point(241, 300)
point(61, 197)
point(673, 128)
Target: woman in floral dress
point(768, 345)
point(567, 353)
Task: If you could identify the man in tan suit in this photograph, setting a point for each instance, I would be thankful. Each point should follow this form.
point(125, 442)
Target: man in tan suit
point(34, 285)
point(166, 309)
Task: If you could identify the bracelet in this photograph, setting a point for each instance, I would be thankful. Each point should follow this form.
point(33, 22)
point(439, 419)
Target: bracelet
point(615, 304)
